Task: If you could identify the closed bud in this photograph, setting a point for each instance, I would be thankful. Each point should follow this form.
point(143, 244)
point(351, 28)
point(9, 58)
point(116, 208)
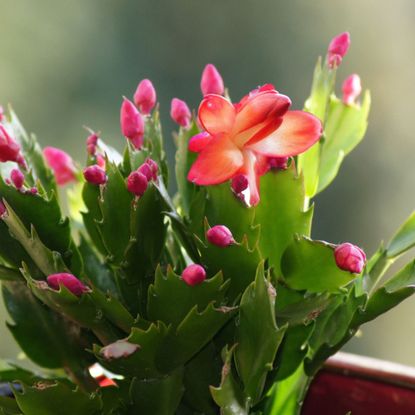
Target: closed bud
point(61, 163)
point(132, 123)
point(350, 258)
point(194, 274)
point(9, 149)
point(154, 167)
point(278, 163)
point(239, 183)
point(199, 141)
point(180, 112)
point(95, 175)
point(91, 144)
point(338, 48)
point(69, 281)
point(212, 82)
point(220, 235)
point(100, 161)
point(145, 96)
point(137, 183)
point(118, 349)
point(351, 88)
point(3, 210)
point(1, 113)
point(146, 170)
point(17, 177)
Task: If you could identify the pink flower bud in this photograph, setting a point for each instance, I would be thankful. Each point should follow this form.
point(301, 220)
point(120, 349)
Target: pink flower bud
point(132, 123)
point(17, 177)
point(350, 258)
point(1, 113)
point(76, 287)
point(95, 175)
point(9, 149)
point(100, 161)
point(239, 183)
point(137, 183)
point(118, 349)
point(146, 170)
point(194, 274)
point(3, 210)
point(33, 190)
point(145, 96)
point(220, 235)
point(91, 144)
point(352, 88)
point(180, 112)
point(278, 163)
point(212, 82)
point(61, 163)
point(199, 141)
point(338, 48)
point(154, 167)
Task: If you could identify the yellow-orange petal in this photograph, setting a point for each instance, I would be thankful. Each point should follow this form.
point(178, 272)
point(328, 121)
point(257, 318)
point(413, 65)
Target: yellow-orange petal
point(299, 131)
point(259, 107)
point(217, 162)
point(216, 114)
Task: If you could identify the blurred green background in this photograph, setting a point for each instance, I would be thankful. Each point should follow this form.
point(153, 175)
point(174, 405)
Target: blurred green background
point(67, 64)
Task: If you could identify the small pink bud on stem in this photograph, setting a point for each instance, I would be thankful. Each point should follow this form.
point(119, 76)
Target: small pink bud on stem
point(350, 258)
point(180, 112)
point(9, 148)
point(194, 274)
point(337, 49)
point(17, 177)
point(211, 82)
point(220, 235)
point(145, 96)
point(118, 349)
point(132, 123)
point(137, 183)
point(352, 88)
point(95, 175)
point(91, 144)
point(61, 163)
point(73, 284)
point(154, 167)
point(3, 210)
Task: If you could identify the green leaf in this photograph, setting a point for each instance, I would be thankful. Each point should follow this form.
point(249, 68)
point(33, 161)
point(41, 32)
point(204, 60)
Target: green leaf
point(184, 160)
point(228, 395)
point(157, 396)
point(51, 398)
point(344, 129)
point(280, 213)
point(9, 274)
point(310, 265)
point(170, 299)
point(403, 240)
point(192, 334)
point(257, 335)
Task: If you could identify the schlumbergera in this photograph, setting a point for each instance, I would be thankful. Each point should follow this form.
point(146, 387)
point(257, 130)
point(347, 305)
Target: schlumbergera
point(214, 301)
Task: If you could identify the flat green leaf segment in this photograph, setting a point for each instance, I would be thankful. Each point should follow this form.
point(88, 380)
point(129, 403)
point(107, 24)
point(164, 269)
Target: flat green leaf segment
point(310, 265)
point(404, 239)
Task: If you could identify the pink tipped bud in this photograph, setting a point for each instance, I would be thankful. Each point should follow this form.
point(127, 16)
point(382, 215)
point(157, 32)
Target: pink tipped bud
point(33, 190)
point(61, 163)
point(350, 258)
point(9, 149)
point(338, 48)
point(137, 183)
point(145, 96)
point(118, 349)
point(91, 144)
point(352, 88)
point(1, 113)
point(100, 161)
point(220, 235)
point(194, 274)
point(95, 175)
point(212, 82)
point(132, 123)
point(17, 177)
point(154, 167)
point(146, 170)
point(239, 183)
point(3, 210)
point(199, 141)
point(180, 112)
point(278, 163)
point(76, 287)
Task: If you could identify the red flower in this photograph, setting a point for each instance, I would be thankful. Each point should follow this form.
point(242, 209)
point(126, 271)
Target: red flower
point(243, 136)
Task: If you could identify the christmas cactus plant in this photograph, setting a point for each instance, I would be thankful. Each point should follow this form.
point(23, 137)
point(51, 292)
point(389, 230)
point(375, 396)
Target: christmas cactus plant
point(216, 300)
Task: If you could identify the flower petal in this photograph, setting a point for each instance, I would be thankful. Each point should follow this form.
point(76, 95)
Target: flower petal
point(250, 169)
point(259, 107)
point(199, 141)
point(216, 114)
point(217, 163)
point(299, 131)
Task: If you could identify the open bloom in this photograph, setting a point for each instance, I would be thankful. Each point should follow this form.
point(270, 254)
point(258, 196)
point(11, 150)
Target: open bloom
point(61, 163)
point(243, 136)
